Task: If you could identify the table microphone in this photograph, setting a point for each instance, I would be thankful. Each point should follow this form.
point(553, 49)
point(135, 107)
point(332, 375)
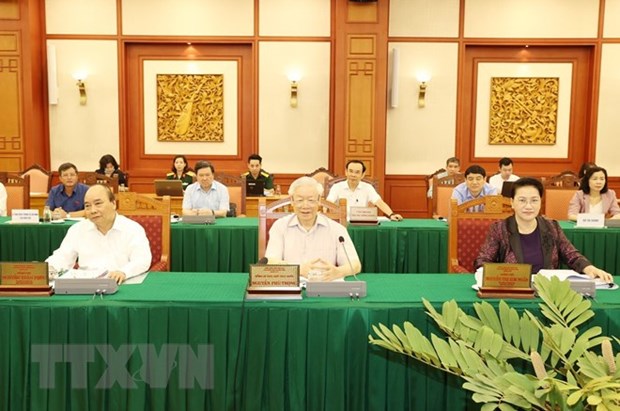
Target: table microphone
point(263, 261)
point(341, 239)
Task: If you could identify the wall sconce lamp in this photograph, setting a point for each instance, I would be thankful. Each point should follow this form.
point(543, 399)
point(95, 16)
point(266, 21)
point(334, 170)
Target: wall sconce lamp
point(422, 78)
point(80, 77)
point(294, 79)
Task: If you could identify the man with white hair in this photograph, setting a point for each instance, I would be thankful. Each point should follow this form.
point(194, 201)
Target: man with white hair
point(310, 239)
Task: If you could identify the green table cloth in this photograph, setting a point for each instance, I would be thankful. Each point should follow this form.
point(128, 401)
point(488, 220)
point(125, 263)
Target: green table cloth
point(409, 246)
point(266, 355)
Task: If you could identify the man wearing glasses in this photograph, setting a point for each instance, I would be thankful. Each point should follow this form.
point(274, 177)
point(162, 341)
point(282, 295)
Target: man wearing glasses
point(67, 198)
point(317, 243)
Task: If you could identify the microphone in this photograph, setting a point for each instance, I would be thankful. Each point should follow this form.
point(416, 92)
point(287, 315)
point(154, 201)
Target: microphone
point(341, 240)
point(263, 261)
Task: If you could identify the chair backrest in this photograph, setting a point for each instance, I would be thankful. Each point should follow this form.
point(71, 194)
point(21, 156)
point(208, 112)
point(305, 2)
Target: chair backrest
point(322, 175)
point(329, 182)
point(40, 178)
point(555, 202)
point(91, 178)
point(17, 191)
point(566, 179)
point(236, 190)
point(468, 229)
point(154, 216)
point(267, 215)
point(442, 193)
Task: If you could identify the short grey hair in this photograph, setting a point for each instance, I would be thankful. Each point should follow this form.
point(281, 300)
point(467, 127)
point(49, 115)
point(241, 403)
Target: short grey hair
point(303, 182)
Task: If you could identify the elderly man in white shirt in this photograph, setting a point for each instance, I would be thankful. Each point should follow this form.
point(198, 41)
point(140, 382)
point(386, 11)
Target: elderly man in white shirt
point(105, 240)
point(321, 246)
point(358, 192)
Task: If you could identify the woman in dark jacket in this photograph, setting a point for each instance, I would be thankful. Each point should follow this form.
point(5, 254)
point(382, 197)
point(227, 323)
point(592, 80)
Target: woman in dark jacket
point(529, 238)
point(109, 167)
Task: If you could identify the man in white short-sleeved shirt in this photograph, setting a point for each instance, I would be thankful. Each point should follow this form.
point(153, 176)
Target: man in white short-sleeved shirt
point(105, 240)
point(311, 239)
point(357, 192)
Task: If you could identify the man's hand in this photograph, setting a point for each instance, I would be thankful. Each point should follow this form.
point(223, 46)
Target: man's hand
point(117, 276)
point(396, 217)
point(325, 271)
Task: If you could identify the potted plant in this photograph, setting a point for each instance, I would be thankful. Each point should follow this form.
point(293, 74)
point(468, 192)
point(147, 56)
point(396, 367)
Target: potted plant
point(482, 349)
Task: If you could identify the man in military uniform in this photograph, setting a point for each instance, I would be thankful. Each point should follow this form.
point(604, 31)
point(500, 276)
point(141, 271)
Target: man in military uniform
point(256, 173)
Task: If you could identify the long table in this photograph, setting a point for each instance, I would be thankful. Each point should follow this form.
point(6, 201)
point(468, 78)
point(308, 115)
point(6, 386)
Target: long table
point(409, 246)
point(231, 245)
point(189, 341)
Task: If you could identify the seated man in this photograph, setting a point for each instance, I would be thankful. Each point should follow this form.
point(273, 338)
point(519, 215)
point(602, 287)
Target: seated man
point(311, 239)
point(474, 185)
point(256, 173)
point(67, 198)
point(505, 174)
point(357, 192)
point(206, 196)
point(105, 240)
point(453, 166)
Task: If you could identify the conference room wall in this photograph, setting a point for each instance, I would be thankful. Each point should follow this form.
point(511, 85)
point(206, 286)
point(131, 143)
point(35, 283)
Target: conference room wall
point(608, 142)
point(83, 133)
point(94, 17)
point(294, 140)
point(294, 18)
point(420, 138)
point(612, 18)
point(424, 18)
point(531, 18)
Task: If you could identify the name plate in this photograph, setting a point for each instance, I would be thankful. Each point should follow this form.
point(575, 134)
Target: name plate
point(274, 277)
point(25, 217)
point(363, 215)
point(506, 281)
point(24, 279)
point(589, 220)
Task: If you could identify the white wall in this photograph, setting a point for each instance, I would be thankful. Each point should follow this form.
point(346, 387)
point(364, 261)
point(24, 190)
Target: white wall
point(188, 17)
point(611, 26)
point(424, 18)
point(420, 139)
point(608, 130)
point(80, 17)
point(82, 134)
point(531, 18)
point(294, 18)
point(294, 140)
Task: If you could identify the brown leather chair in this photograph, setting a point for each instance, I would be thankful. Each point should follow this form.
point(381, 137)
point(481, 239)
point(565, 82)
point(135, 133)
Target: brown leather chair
point(558, 192)
point(442, 193)
point(323, 176)
point(154, 216)
point(91, 178)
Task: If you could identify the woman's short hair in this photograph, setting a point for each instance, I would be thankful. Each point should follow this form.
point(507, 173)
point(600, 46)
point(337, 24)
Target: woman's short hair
point(303, 182)
point(107, 159)
point(527, 182)
point(185, 169)
point(585, 180)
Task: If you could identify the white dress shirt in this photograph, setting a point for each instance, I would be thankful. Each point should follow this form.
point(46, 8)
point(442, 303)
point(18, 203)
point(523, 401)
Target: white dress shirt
point(124, 248)
point(290, 242)
point(363, 194)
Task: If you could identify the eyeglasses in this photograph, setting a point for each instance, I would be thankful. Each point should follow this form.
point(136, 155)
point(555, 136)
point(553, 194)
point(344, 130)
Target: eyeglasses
point(524, 201)
point(309, 201)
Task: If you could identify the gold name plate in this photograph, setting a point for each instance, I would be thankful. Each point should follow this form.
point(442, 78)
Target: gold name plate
point(24, 279)
point(274, 278)
point(506, 281)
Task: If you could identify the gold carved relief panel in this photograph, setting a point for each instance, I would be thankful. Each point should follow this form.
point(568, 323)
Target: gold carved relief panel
point(190, 107)
point(524, 110)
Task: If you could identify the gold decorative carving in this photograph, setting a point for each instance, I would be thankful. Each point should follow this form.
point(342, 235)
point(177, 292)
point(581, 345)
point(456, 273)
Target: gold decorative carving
point(190, 107)
point(524, 110)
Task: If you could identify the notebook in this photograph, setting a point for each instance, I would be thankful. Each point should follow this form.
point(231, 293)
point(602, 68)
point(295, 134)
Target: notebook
point(255, 188)
point(169, 188)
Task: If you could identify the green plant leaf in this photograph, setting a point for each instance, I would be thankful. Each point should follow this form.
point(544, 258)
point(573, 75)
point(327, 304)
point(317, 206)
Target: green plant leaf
point(444, 352)
point(488, 316)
